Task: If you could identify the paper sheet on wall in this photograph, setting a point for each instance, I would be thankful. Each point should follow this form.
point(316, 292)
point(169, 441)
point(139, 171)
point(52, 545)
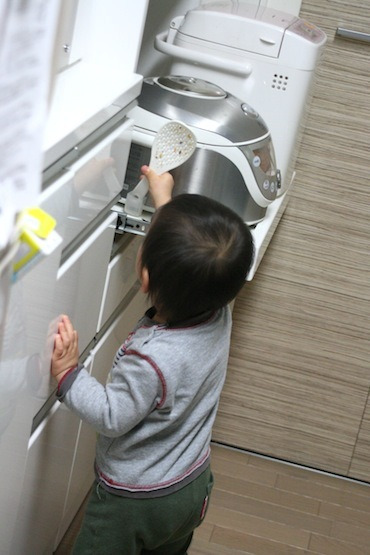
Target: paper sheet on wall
point(27, 31)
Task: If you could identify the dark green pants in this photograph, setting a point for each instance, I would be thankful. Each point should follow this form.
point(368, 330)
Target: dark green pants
point(115, 525)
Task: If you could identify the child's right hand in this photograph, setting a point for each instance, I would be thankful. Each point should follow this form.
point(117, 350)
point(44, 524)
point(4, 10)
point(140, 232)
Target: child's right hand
point(65, 354)
point(160, 186)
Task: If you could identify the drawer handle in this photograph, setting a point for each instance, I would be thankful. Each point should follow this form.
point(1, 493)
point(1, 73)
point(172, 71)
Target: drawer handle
point(350, 34)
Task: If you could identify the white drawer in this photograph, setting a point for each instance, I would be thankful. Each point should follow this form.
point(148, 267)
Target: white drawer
point(121, 276)
point(81, 280)
point(89, 185)
point(50, 456)
point(27, 339)
point(24, 379)
point(60, 201)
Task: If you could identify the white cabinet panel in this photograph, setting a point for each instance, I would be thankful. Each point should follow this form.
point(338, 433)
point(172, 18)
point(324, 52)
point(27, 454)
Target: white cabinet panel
point(121, 276)
point(50, 457)
point(99, 174)
point(130, 316)
point(60, 201)
point(25, 349)
point(105, 45)
point(81, 281)
point(89, 185)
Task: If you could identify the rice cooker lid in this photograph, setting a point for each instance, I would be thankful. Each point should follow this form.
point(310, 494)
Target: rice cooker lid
point(203, 105)
point(190, 86)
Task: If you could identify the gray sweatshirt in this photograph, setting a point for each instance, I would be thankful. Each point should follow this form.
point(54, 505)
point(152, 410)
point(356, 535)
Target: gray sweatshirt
point(155, 414)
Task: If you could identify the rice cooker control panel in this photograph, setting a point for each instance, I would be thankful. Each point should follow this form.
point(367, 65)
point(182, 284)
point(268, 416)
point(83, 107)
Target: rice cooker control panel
point(261, 159)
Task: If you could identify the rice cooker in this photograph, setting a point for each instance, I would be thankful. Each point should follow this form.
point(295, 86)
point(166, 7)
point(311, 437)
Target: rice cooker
point(234, 161)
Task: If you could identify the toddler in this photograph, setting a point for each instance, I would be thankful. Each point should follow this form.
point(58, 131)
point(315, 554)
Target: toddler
point(154, 416)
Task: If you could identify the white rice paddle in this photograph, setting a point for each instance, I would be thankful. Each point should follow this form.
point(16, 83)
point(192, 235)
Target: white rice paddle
point(172, 146)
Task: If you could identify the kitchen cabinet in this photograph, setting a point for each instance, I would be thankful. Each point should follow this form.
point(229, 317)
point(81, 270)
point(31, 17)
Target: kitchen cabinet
point(50, 456)
point(25, 350)
point(298, 380)
point(86, 145)
point(99, 75)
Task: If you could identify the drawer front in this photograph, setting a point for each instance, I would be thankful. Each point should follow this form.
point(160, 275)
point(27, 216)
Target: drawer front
point(81, 281)
point(60, 201)
point(121, 276)
point(50, 456)
point(27, 308)
point(26, 344)
point(89, 185)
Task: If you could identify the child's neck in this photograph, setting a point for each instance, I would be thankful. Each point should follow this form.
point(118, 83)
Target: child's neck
point(158, 317)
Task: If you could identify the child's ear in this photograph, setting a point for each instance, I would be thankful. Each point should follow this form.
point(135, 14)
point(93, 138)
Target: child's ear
point(144, 280)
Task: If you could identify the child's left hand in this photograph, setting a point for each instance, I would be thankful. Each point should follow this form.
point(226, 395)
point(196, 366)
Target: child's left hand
point(65, 354)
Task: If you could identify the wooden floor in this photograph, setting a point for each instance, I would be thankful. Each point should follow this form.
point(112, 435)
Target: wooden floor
point(261, 506)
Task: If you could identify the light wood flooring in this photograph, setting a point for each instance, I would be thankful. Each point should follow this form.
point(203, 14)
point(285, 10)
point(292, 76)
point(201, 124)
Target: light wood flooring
point(261, 506)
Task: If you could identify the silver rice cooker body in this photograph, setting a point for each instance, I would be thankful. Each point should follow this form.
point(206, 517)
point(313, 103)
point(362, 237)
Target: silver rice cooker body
point(234, 161)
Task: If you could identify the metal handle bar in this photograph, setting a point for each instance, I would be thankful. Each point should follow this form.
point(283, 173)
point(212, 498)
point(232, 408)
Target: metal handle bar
point(350, 34)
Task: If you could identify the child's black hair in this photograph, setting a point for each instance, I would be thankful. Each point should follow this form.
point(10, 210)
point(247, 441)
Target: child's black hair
point(197, 253)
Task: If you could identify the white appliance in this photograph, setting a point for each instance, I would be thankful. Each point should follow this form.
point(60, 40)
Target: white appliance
point(263, 56)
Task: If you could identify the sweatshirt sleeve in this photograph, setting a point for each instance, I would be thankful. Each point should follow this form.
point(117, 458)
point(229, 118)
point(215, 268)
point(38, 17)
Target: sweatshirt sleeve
point(135, 389)
point(67, 380)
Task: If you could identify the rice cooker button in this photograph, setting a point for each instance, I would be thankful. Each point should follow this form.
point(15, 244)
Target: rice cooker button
point(249, 110)
point(266, 184)
point(256, 161)
point(272, 187)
